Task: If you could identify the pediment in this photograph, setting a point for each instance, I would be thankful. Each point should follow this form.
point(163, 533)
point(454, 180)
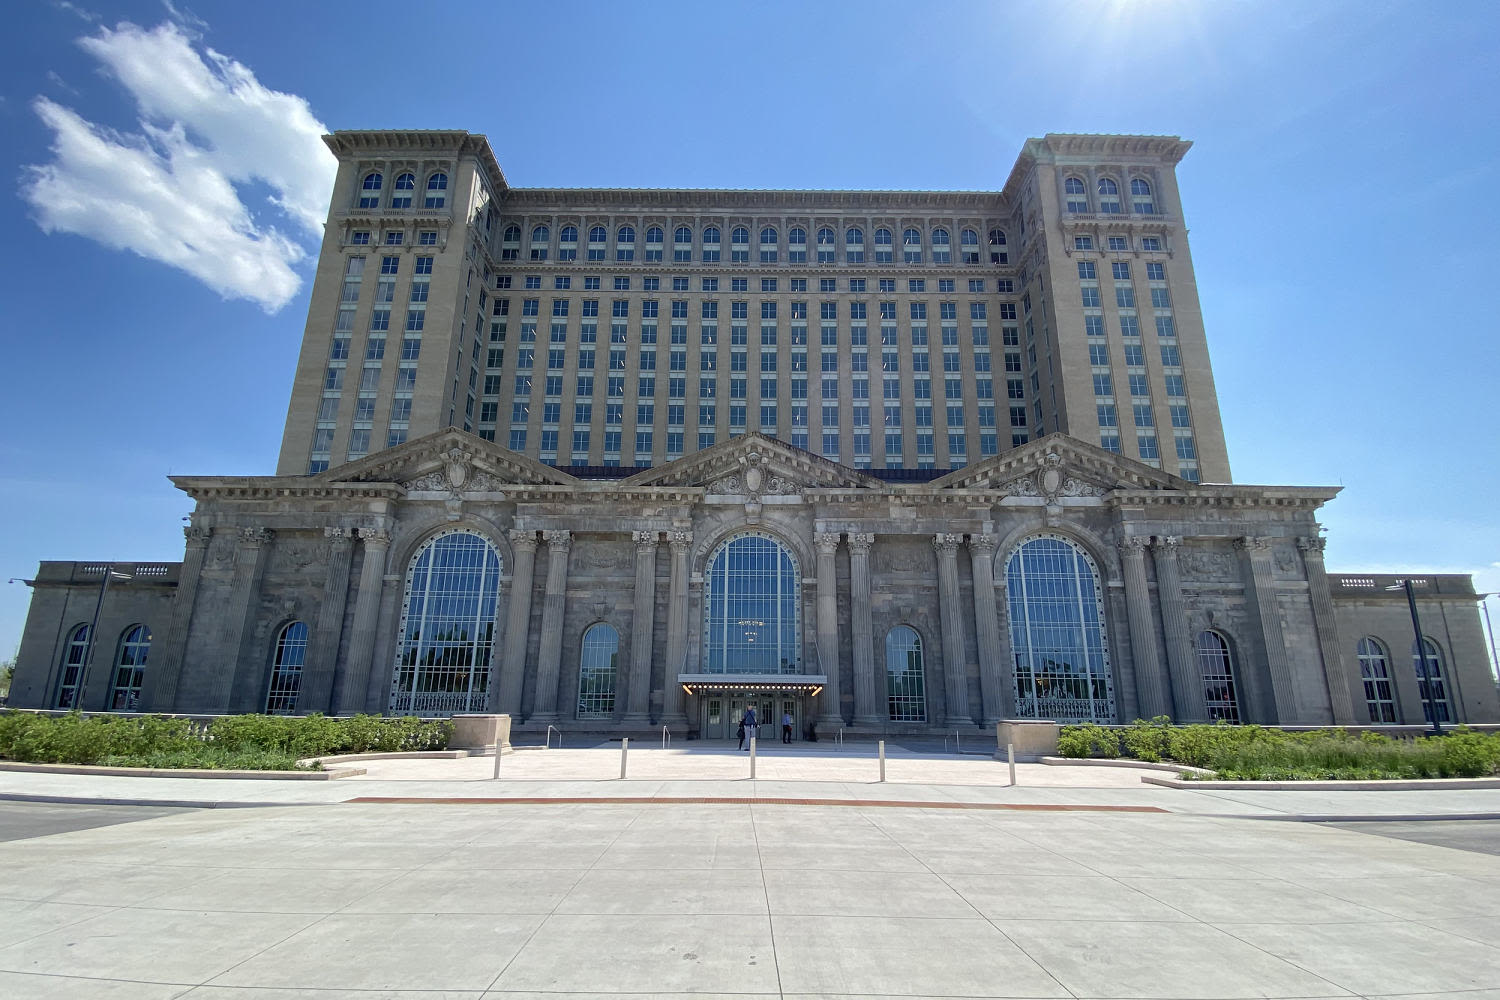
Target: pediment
point(754, 465)
point(1059, 466)
point(450, 460)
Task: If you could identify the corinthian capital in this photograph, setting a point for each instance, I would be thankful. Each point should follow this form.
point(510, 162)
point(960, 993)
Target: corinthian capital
point(1253, 544)
point(827, 542)
point(982, 544)
point(860, 541)
point(1312, 544)
point(679, 540)
point(378, 537)
point(196, 535)
point(559, 539)
point(946, 543)
point(644, 539)
point(1135, 544)
point(1167, 543)
point(522, 540)
point(252, 537)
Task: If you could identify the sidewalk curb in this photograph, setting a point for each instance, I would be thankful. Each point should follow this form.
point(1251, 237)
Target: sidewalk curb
point(1384, 785)
point(78, 800)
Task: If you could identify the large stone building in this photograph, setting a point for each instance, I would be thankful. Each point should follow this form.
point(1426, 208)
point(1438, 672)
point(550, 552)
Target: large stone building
point(897, 461)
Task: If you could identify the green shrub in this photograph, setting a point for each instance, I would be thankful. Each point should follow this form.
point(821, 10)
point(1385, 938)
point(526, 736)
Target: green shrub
point(250, 742)
point(1087, 740)
point(1148, 741)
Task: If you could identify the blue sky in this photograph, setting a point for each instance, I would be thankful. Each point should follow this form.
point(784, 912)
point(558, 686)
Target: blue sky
point(162, 161)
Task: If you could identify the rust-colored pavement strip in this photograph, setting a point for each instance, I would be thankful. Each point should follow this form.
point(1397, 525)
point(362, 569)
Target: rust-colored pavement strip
point(750, 800)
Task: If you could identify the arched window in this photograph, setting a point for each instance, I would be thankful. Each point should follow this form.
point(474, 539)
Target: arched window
point(625, 243)
point(682, 245)
point(539, 237)
point(711, 244)
point(739, 245)
point(1057, 633)
point(1077, 195)
point(1375, 671)
point(569, 234)
point(905, 682)
point(286, 669)
point(598, 234)
point(1109, 196)
point(1140, 197)
point(1431, 687)
point(683, 235)
point(447, 627)
point(626, 235)
point(74, 655)
point(369, 192)
point(796, 239)
point(968, 241)
point(597, 670)
point(942, 247)
point(768, 245)
point(854, 245)
point(711, 234)
point(998, 254)
point(911, 246)
point(768, 235)
point(437, 187)
point(404, 186)
point(510, 243)
point(512, 234)
point(1217, 671)
point(130, 670)
point(882, 246)
point(654, 237)
point(751, 620)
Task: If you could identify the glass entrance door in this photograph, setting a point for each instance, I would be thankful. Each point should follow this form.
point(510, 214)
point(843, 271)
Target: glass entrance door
point(721, 715)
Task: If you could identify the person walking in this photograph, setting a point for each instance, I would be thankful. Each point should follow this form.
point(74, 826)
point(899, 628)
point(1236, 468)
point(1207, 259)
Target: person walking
point(747, 724)
point(740, 732)
point(786, 727)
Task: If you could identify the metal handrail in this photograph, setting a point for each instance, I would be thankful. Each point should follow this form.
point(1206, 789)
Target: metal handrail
point(550, 731)
point(958, 746)
point(666, 737)
point(841, 737)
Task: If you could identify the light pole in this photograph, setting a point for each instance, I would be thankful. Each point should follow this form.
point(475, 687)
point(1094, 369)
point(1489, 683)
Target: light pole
point(1421, 647)
point(1484, 603)
point(88, 659)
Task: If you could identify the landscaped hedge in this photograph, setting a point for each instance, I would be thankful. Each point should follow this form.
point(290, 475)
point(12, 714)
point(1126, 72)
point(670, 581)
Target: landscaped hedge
point(244, 742)
point(1254, 753)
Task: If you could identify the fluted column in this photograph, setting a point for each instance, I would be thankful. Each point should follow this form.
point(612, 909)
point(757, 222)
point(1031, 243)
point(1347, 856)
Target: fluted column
point(638, 700)
point(1279, 705)
point(830, 709)
point(955, 669)
point(554, 608)
point(248, 565)
point(322, 659)
point(1187, 682)
point(862, 632)
point(996, 704)
point(1341, 699)
point(166, 674)
point(677, 624)
point(1150, 682)
point(517, 622)
point(356, 676)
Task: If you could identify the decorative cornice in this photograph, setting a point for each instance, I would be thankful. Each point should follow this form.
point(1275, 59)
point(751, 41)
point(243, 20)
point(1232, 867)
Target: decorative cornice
point(429, 142)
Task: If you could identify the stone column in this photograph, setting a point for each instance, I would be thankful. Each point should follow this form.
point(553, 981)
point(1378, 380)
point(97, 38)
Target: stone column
point(867, 696)
point(831, 712)
point(356, 676)
point(517, 622)
point(1150, 681)
point(1341, 697)
point(165, 675)
point(554, 608)
point(323, 652)
point(955, 669)
point(1182, 664)
point(996, 704)
point(1279, 704)
point(643, 624)
point(387, 627)
point(248, 564)
point(677, 625)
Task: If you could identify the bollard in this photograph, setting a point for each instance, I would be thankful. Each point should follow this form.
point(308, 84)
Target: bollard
point(1010, 756)
point(497, 763)
point(882, 760)
point(752, 758)
point(624, 749)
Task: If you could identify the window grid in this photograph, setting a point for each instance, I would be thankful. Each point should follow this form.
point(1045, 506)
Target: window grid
point(598, 662)
point(905, 682)
point(447, 627)
point(1375, 672)
point(1057, 633)
point(1217, 671)
point(130, 670)
point(752, 622)
point(286, 669)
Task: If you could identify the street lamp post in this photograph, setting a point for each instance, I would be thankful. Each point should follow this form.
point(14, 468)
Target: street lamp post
point(88, 659)
point(1421, 648)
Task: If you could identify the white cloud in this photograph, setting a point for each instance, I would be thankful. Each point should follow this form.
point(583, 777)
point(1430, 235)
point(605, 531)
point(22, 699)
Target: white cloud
point(167, 190)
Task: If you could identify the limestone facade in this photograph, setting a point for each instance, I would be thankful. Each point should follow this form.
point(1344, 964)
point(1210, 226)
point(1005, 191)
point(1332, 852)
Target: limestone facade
point(1173, 560)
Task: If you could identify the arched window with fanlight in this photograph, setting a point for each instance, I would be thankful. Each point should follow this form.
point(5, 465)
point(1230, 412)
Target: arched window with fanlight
point(286, 669)
point(682, 245)
point(1375, 673)
point(1057, 632)
point(882, 246)
point(968, 242)
point(130, 670)
point(942, 247)
point(447, 626)
point(625, 243)
point(1216, 667)
point(998, 252)
point(739, 245)
point(911, 246)
point(768, 248)
point(905, 680)
point(598, 669)
point(854, 245)
point(1076, 194)
point(540, 237)
point(1432, 688)
point(1109, 196)
point(654, 238)
point(402, 189)
point(369, 191)
point(1141, 201)
point(437, 191)
point(74, 655)
point(752, 593)
point(827, 246)
point(510, 243)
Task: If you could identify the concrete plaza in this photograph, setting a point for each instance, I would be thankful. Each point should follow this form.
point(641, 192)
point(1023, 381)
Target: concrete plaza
point(567, 894)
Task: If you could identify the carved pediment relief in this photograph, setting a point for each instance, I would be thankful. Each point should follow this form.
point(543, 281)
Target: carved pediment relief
point(450, 461)
point(753, 465)
point(1058, 466)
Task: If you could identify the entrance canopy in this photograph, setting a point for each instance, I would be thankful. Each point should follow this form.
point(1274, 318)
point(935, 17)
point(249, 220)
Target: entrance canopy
point(719, 683)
